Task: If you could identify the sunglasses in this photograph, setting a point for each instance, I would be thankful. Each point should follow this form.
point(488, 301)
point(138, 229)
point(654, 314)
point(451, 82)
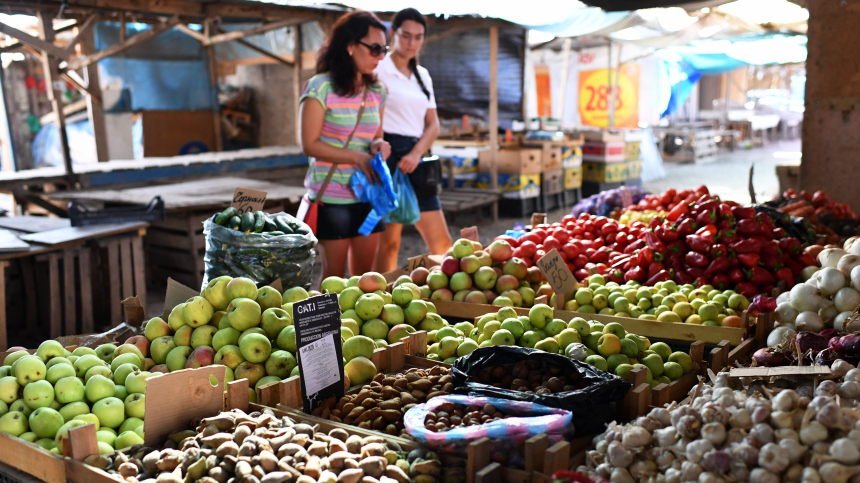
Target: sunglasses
point(375, 49)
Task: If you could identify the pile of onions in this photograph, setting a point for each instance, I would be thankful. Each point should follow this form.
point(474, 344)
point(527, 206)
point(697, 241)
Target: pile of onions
point(729, 434)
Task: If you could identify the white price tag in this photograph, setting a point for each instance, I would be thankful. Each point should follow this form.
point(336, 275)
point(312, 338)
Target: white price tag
point(59, 85)
point(319, 365)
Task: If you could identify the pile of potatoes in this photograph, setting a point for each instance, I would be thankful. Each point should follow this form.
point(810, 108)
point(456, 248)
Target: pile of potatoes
point(382, 403)
point(262, 448)
point(531, 377)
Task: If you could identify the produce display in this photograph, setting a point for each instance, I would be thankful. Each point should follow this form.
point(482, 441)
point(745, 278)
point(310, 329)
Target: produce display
point(261, 447)
point(452, 416)
point(829, 220)
point(381, 404)
point(259, 222)
point(44, 395)
point(608, 201)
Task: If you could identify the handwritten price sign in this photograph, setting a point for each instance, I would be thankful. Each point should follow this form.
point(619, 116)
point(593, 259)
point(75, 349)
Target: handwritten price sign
point(595, 97)
point(247, 199)
point(555, 271)
point(470, 233)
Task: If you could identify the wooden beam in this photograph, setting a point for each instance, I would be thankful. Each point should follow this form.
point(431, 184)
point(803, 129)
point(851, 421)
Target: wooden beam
point(70, 76)
point(120, 47)
point(95, 110)
point(25, 38)
point(191, 33)
point(227, 36)
point(262, 51)
point(51, 71)
point(494, 111)
point(297, 81)
point(68, 110)
point(82, 31)
point(213, 82)
point(445, 33)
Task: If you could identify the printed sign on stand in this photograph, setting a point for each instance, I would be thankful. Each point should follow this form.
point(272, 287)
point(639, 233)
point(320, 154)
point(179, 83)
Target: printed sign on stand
point(538, 219)
point(247, 199)
point(320, 356)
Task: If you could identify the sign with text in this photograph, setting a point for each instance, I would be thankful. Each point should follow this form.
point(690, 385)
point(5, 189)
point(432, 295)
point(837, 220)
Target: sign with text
point(320, 356)
point(247, 199)
point(595, 98)
point(558, 275)
point(470, 233)
point(427, 260)
point(538, 219)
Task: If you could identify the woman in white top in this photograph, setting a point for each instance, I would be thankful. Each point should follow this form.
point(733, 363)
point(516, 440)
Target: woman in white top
point(410, 126)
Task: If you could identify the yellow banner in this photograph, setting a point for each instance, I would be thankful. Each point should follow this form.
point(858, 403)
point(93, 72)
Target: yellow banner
point(594, 97)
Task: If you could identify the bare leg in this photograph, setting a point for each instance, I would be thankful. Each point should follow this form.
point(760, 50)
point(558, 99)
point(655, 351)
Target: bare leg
point(434, 230)
point(362, 252)
point(389, 247)
point(334, 257)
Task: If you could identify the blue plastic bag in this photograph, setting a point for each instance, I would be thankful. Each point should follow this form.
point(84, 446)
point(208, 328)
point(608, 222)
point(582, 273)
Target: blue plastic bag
point(407, 211)
point(380, 195)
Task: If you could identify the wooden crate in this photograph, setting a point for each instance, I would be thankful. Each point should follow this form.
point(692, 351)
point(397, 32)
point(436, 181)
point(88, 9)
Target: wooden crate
point(66, 285)
point(175, 247)
point(119, 271)
point(552, 182)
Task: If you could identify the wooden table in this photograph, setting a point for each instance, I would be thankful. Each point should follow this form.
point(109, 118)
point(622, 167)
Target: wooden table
point(175, 247)
point(66, 256)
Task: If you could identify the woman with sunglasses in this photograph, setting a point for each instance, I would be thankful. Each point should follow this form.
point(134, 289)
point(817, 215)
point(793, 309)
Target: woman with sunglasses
point(411, 125)
point(341, 137)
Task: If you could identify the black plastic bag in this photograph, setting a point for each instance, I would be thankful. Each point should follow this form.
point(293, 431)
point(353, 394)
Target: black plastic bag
point(592, 406)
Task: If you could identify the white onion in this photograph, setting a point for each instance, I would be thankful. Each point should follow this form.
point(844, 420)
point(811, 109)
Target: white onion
point(829, 257)
point(840, 321)
point(847, 263)
point(805, 297)
point(828, 313)
point(848, 242)
point(808, 272)
point(847, 299)
point(782, 298)
point(778, 335)
point(809, 321)
point(830, 280)
point(785, 313)
point(855, 278)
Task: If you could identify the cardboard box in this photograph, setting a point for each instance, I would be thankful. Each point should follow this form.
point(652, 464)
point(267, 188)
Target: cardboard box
point(572, 178)
point(551, 158)
point(571, 156)
point(632, 150)
point(611, 152)
point(604, 172)
point(603, 136)
point(516, 186)
point(634, 169)
point(552, 182)
point(512, 161)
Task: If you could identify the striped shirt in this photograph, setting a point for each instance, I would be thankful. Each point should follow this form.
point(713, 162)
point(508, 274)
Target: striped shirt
point(341, 113)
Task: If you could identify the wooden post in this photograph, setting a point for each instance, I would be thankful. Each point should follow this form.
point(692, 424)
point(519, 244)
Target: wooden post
point(565, 68)
point(95, 110)
point(613, 88)
point(216, 110)
point(494, 113)
point(297, 80)
point(54, 86)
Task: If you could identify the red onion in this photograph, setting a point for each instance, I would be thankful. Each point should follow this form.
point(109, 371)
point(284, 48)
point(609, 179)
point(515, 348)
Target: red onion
point(829, 333)
point(826, 357)
point(835, 344)
point(850, 345)
point(769, 357)
point(811, 341)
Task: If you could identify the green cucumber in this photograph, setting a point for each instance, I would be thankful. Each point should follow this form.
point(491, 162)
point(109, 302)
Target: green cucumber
point(269, 225)
point(259, 221)
point(247, 222)
point(224, 217)
point(234, 222)
point(282, 224)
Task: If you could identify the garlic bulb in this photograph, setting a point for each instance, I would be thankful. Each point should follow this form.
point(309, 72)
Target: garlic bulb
point(621, 475)
point(793, 474)
point(697, 449)
point(810, 475)
point(826, 388)
point(666, 437)
point(849, 390)
point(635, 437)
point(795, 450)
point(641, 469)
point(745, 453)
point(688, 426)
point(715, 433)
point(786, 433)
point(785, 401)
point(673, 476)
point(741, 419)
point(774, 458)
point(840, 367)
point(618, 455)
point(845, 451)
point(781, 419)
point(690, 471)
point(716, 461)
point(761, 475)
point(762, 433)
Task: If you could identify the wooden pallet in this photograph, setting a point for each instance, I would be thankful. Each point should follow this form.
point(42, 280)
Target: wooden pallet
point(119, 268)
point(68, 290)
point(175, 248)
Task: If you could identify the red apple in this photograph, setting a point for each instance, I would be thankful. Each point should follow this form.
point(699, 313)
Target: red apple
point(450, 266)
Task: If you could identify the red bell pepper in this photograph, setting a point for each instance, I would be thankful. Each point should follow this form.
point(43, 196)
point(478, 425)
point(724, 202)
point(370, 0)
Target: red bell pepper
point(742, 212)
point(720, 281)
point(794, 266)
point(708, 231)
point(785, 275)
point(719, 250)
point(806, 259)
point(770, 247)
point(773, 262)
point(636, 273)
point(747, 289)
point(687, 227)
point(677, 211)
point(733, 260)
point(746, 246)
point(654, 268)
point(727, 236)
point(726, 224)
point(695, 259)
point(719, 265)
point(759, 276)
point(749, 226)
point(682, 278)
point(654, 223)
point(706, 217)
point(778, 233)
point(726, 211)
point(620, 261)
point(698, 244)
point(706, 206)
point(677, 247)
point(702, 281)
point(645, 257)
point(654, 242)
point(660, 276)
point(749, 259)
point(666, 233)
point(694, 272)
point(790, 246)
point(674, 263)
point(735, 275)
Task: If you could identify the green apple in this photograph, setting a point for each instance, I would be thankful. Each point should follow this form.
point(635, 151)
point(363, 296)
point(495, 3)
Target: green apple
point(59, 371)
point(160, 347)
point(503, 337)
point(616, 360)
point(135, 383)
point(182, 337)
point(216, 292)
point(629, 348)
point(14, 423)
point(514, 326)
point(662, 349)
point(87, 362)
point(615, 328)
point(581, 326)
point(295, 294)
point(99, 387)
point(243, 313)
point(673, 370)
point(49, 349)
point(540, 315)
point(98, 370)
point(21, 406)
point(155, 328)
point(38, 394)
point(110, 411)
point(255, 348)
point(197, 311)
point(287, 339)
point(45, 422)
point(358, 346)
point(122, 372)
point(280, 363)
point(333, 284)
point(127, 440)
point(530, 338)
point(106, 436)
point(229, 355)
point(268, 297)
point(120, 392)
point(623, 371)
point(105, 352)
point(89, 418)
point(203, 335)
point(219, 319)
point(130, 424)
point(127, 358)
point(11, 358)
point(46, 443)
point(548, 345)
point(250, 371)
point(654, 363)
point(53, 362)
point(273, 321)
point(392, 315)
point(134, 405)
point(177, 358)
point(598, 362)
point(176, 319)
point(62, 435)
point(466, 347)
point(30, 369)
point(225, 337)
point(241, 287)
point(567, 337)
point(555, 326)
point(684, 360)
point(76, 408)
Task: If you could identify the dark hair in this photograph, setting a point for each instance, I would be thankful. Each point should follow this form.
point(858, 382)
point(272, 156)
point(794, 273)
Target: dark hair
point(334, 58)
point(396, 22)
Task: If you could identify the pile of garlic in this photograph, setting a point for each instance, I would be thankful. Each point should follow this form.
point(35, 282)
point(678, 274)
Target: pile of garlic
point(729, 435)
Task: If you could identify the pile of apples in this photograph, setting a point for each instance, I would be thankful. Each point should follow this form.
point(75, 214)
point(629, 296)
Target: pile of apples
point(470, 273)
point(44, 395)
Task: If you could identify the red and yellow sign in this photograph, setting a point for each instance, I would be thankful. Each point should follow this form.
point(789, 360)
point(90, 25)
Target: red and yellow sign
point(594, 98)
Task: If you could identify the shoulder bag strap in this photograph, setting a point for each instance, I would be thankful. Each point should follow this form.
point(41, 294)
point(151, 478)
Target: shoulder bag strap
point(345, 146)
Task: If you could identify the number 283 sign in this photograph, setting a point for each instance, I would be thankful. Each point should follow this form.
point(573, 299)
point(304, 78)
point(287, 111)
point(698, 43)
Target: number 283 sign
point(595, 97)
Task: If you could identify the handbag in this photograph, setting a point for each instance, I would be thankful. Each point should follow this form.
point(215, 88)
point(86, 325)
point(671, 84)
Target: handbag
point(427, 179)
point(309, 209)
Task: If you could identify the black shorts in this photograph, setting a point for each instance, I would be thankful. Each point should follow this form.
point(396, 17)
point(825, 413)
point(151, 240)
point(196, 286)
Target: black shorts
point(401, 146)
point(336, 222)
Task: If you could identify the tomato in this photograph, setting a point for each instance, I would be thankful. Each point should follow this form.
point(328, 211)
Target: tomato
point(541, 233)
point(562, 236)
point(589, 235)
point(570, 250)
point(528, 248)
point(551, 242)
point(580, 260)
point(531, 236)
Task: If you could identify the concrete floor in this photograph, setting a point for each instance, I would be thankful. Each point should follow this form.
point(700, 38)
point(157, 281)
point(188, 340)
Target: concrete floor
point(728, 176)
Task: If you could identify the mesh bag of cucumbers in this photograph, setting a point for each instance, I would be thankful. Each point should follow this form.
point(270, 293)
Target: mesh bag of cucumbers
point(259, 246)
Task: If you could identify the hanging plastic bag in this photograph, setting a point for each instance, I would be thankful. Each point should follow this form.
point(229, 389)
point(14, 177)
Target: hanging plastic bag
point(590, 393)
point(407, 211)
point(380, 195)
point(508, 435)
